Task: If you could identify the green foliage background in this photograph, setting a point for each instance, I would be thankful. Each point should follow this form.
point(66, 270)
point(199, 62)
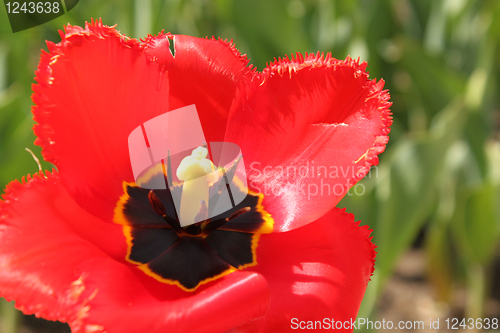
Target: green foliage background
point(440, 60)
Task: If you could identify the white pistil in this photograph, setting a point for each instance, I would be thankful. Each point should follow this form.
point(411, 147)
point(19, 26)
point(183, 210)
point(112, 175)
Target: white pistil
point(198, 173)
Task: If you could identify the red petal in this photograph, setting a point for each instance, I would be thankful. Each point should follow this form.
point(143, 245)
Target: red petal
point(42, 243)
point(309, 130)
point(318, 271)
point(54, 272)
point(94, 88)
point(203, 72)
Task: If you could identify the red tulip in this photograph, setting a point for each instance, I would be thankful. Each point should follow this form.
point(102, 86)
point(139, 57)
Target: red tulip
point(63, 254)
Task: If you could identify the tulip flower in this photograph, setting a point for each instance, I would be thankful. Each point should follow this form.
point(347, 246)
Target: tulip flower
point(86, 245)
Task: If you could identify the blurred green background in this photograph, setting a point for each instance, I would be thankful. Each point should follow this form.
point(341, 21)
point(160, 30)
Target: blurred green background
point(435, 194)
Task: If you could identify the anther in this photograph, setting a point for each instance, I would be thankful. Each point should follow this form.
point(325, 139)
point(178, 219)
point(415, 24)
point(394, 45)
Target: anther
point(211, 226)
point(160, 210)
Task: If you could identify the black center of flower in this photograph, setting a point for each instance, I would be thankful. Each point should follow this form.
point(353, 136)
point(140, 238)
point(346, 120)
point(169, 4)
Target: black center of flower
point(192, 255)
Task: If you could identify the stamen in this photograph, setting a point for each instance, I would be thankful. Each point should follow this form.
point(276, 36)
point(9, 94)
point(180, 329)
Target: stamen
point(232, 170)
point(156, 203)
point(160, 210)
point(238, 213)
point(211, 226)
